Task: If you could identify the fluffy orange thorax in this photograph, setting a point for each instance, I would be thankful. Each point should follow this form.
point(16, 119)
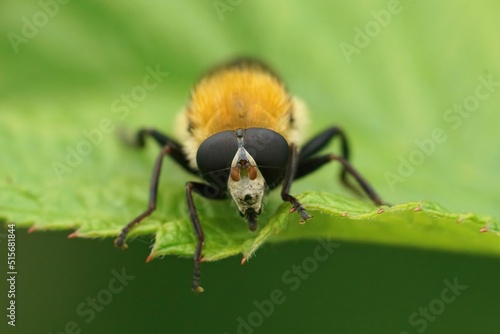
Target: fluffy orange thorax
point(235, 98)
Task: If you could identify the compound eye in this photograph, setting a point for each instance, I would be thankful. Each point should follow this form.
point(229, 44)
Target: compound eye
point(270, 151)
point(214, 158)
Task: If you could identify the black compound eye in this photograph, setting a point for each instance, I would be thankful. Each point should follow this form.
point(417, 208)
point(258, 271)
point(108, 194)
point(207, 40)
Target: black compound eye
point(270, 151)
point(268, 148)
point(214, 157)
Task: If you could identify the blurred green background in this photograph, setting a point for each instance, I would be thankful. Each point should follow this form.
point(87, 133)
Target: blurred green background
point(63, 66)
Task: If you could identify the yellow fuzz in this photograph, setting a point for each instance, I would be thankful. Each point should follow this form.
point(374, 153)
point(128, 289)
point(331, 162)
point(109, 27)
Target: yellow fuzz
point(245, 96)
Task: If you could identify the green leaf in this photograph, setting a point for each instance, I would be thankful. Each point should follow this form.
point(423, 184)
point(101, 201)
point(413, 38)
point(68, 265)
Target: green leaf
point(390, 99)
point(417, 224)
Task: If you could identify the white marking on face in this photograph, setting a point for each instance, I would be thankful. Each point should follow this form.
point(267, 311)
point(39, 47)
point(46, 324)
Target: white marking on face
point(246, 183)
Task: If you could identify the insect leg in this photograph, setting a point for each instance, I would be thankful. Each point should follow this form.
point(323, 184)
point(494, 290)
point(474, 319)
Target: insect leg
point(153, 190)
point(287, 183)
point(310, 165)
point(177, 154)
point(210, 192)
point(318, 142)
point(314, 145)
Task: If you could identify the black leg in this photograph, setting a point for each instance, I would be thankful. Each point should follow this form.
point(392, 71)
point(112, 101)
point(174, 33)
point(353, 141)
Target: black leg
point(210, 192)
point(287, 183)
point(320, 141)
point(310, 165)
point(314, 145)
point(153, 191)
point(177, 154)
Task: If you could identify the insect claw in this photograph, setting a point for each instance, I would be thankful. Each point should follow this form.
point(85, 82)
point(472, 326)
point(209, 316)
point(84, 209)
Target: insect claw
point(198, 289)
point(121, 245)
